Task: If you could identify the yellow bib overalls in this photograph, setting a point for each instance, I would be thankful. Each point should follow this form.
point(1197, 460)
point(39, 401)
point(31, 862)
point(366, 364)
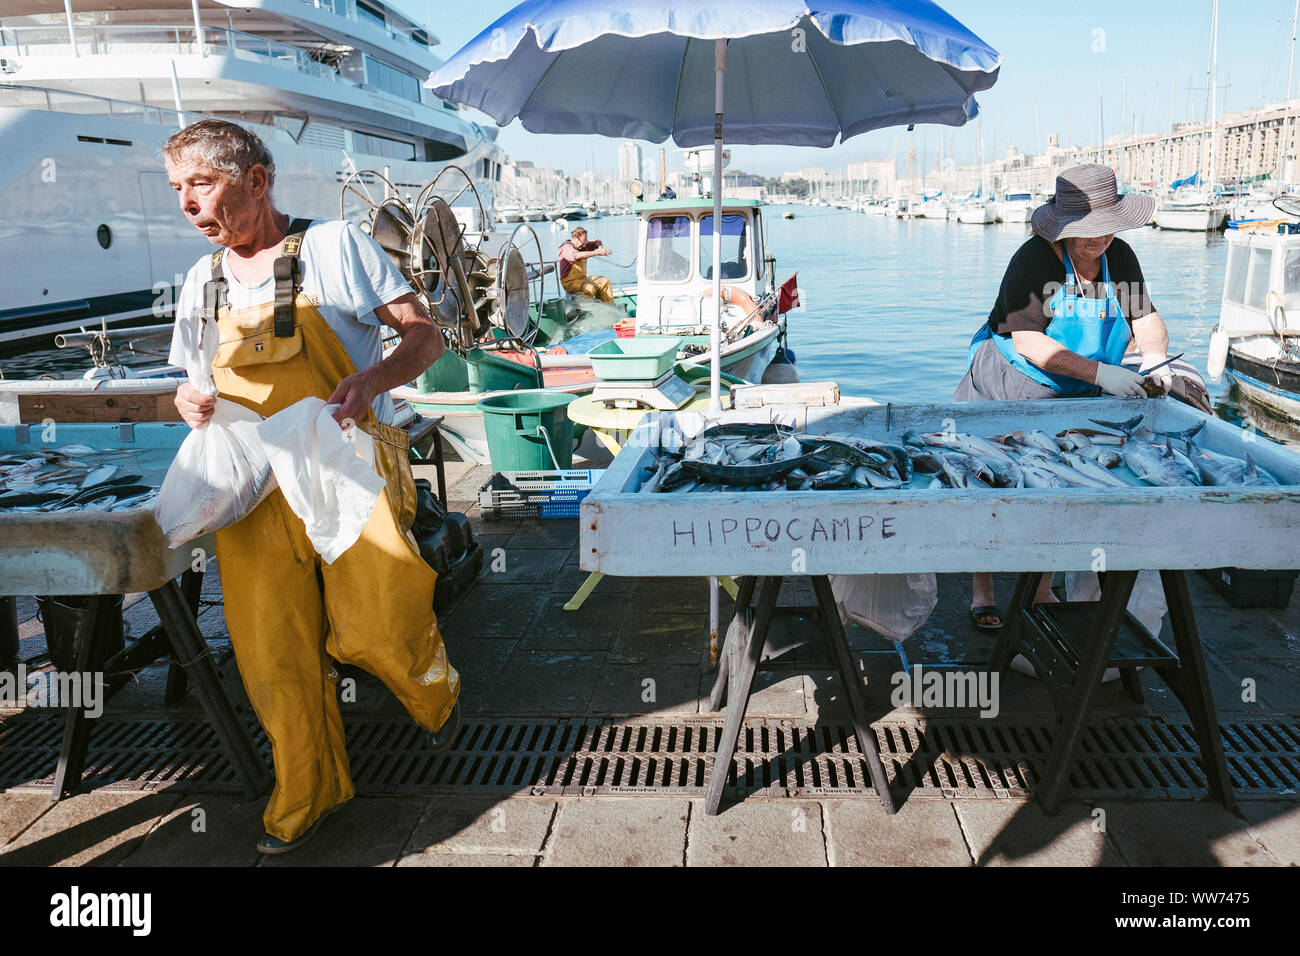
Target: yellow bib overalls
point(577, 282)
point(288, 611)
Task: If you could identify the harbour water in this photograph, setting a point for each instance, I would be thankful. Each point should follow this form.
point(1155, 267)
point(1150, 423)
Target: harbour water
point(889, 306)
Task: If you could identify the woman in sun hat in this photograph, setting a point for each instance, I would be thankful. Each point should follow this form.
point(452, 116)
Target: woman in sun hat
point(1072, 300)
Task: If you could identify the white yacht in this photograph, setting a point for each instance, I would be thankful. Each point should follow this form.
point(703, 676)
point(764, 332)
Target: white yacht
point(980, 212)
point(91, 229)
point(1191, 212)
point(1016, 207)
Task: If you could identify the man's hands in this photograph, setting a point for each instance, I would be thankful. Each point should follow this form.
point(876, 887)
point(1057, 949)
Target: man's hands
point(195, 408)
point(353, 396)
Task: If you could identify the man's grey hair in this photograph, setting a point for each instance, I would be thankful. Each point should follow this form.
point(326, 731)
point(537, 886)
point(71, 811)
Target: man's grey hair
point(226, 147)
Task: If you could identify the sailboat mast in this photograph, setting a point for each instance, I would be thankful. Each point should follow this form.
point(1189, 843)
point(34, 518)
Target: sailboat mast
point(1284, 152)
point(1214, 96)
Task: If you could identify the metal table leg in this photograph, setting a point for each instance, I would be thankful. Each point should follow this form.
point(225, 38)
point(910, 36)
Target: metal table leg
point(741, 675)
point(8, 633)
point(1004, 648)
point(1191, 684)
point(177, 682)
point(1087, 679)
point(187, 644)
point(737, 634)
point(839, 644)
point(90, 639)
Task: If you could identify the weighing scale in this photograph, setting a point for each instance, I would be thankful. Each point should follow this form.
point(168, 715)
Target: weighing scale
point(665, 393)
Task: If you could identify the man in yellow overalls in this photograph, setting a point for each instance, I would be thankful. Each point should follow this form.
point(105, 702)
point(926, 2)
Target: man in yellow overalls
point(574, 254)
point(296, 307)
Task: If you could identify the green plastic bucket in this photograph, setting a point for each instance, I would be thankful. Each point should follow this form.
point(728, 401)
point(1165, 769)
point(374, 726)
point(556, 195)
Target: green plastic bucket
point(528, 431)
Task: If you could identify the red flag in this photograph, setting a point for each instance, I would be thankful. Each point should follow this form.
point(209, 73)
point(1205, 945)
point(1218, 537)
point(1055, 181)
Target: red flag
point(789, 295)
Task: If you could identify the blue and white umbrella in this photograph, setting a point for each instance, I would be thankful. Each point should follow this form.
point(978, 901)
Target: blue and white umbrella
point(801, 74)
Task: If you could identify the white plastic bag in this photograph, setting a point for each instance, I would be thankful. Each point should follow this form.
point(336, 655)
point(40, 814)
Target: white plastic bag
point(895, 605)
point(327, 475)
point(1146, 603)
point(220, 472)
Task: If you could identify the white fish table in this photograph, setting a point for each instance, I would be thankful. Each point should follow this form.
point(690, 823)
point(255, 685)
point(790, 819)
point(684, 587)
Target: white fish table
point(108, 554)
point(767, 535)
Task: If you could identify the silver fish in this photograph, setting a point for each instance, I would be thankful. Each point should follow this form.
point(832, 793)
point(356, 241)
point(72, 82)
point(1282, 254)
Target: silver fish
point(1216, 469)
point(99, 476)
point(1154, 465)
point(1091, 468)
point(1064, 472)
point(968, 444)
point(1036, 477)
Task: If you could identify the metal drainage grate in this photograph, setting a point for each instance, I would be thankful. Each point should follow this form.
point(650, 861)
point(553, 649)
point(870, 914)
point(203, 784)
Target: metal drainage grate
point(1131, 758)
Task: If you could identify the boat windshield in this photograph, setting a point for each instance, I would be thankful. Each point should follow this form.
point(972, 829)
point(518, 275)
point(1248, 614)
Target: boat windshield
point(735, 238)
point(1291, 281)
point(1238, 257)
point(668, 248)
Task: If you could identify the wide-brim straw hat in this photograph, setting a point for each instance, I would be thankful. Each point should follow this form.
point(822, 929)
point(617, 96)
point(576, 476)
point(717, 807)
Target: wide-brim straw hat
point(1088, 204)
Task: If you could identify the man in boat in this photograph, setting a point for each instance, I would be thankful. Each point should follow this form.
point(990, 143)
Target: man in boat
point(297, 307)
point(574, 254)
point(1058, 328)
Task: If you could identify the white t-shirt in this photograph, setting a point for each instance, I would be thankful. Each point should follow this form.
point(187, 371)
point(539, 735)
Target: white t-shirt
point(345, 274)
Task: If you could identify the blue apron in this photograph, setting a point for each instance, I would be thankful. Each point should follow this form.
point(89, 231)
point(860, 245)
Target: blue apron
point(1093, 328)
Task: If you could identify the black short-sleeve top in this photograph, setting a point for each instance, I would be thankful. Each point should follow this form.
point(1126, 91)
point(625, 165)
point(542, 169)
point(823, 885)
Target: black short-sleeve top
point(1035, 273)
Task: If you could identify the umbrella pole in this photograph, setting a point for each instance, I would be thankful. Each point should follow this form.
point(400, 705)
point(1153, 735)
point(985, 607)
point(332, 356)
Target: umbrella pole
point(715, 338)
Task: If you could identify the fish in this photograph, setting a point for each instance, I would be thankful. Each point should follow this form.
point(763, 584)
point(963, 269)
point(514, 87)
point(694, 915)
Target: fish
point(1092, 468)
point(76, 450)
point(753, 430)
point(865, 477)
point(1067, 474)
point(747, 474)
point(859, 451)
point(1108, 457)
point(99, 476)
point(1036, 477)
point(1006, 475)
point(964, 471)
point(968, 444)
point(1156, 465)
point(1040, 439)
point(1216, 469)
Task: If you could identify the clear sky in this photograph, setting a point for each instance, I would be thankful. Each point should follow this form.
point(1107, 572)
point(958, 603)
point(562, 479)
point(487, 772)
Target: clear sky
point(1064, 57)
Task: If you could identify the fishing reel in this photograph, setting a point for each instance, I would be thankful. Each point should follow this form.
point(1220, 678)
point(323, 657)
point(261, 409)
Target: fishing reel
point(466, 292)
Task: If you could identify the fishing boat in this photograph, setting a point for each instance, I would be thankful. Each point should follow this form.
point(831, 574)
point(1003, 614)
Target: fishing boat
point(91, 226)
point(1254, 342)
point(524, 333)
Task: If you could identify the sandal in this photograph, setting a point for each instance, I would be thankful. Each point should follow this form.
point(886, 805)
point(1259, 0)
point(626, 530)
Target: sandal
point(986, 610)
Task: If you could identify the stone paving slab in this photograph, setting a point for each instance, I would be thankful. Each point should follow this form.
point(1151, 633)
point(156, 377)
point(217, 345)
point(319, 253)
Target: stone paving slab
point(366, 831)
point(1183, 834)
point(592, 628)
point(757, 833)
point(1018, 833)
point(497, 611)
point(775, 694)
point(223, 832)
point(663, 639)
point(619, 832)
point(921, 833)
point(623, 689)
point(546, 682)
point(464, 827)
point(1276, 826)
point(18, 811)
point(91, 829)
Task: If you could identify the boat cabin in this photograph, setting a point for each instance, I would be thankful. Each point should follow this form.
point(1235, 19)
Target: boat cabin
point(675, 259)
point(1261, 288)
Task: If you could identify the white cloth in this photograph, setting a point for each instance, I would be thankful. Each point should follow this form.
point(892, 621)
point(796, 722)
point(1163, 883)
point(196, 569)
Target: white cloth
point(327, 475)
point(345, 274)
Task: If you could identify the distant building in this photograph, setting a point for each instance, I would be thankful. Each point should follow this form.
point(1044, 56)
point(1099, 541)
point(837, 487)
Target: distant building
point(629, 162)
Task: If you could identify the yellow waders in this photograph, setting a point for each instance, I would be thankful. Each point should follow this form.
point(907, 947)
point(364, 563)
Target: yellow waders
point(289, 612)
point(577, 282)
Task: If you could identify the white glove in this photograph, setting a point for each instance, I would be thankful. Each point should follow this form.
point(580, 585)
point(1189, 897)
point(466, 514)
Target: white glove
point(1118, 380)
point(1162, 375)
